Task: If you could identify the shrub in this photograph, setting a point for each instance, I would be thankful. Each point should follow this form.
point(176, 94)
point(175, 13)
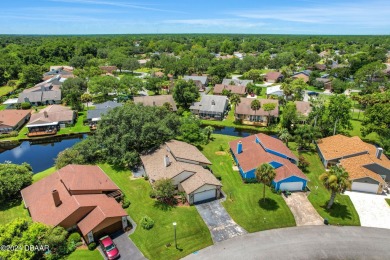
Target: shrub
point(75, 237)
point(71, 246)
point(92, 246)
point(221, 148)
point(251, 180)
point(152, 194)
point(273, 189)
point(125, 202)
point(26, 105)
point(147, 223)
point(146, 178)
point(303, 163)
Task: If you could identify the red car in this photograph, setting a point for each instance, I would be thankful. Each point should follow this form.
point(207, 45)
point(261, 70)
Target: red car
point(109, 248)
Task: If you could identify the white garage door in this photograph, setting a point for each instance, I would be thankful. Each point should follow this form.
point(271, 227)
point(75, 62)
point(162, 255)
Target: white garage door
point(291, 186)
point(205, 195)
point(365, 187)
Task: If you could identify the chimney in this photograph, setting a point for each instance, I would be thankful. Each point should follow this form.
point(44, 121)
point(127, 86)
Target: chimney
point(45, 114)
point(379, 152)
point(239, 147)
point(166, 161)
point(56, 198)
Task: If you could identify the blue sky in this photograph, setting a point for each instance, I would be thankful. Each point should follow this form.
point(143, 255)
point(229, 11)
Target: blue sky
point(196, 16)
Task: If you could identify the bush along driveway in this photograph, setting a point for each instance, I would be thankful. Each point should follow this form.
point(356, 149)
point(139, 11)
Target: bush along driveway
point(243, 201)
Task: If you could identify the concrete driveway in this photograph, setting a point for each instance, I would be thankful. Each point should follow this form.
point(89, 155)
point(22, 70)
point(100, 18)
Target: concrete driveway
point(309, 242)
point(126, 247)
point(304, 213)
point(219, 222)
point(372, 209)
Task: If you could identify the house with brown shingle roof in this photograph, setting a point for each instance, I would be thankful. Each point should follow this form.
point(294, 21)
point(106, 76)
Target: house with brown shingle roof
point(185, 166)
point(303, 108)
point(12, 119)
point(248, 116)
point(233, 89)
point(273, 77)
point(77, 196)
point(251, 152)
point(158, 100)
point(367, 166)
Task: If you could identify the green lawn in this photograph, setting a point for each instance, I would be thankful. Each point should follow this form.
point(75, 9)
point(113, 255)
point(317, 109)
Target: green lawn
point(388, 201)
point(85, 254)
point(230, 122)
point(192, 232)
point(356, 131)
point(78, 127)
point(342, 212)
point(243, 200)
point(40, 175)
point(4, 90)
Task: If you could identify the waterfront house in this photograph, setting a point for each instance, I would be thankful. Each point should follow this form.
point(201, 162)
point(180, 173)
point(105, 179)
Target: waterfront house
point(158, 100)
point(244, 113)
point(210, 107)
point(13, 120)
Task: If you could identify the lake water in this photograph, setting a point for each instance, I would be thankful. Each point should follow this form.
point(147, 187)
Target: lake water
point(39, 156)
point(233, 131)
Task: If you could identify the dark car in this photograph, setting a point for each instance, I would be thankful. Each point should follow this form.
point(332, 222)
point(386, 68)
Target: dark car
point(313, 93)
point(109, 248)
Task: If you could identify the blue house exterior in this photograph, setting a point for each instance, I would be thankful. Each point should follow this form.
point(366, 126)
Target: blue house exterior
point(294, 181)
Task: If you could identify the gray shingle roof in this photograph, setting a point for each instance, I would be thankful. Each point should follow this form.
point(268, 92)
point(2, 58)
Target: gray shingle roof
point(211, 103)
point(108, 104)
point(101, 109)
point(202, 79)
point(242, 82)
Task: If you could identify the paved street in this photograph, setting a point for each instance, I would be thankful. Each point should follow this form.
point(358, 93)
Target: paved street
point(219, 222)
point(372, 209)
point(308, 242)
point(303, 211)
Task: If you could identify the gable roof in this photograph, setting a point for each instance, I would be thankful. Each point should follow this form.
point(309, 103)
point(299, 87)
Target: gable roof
point(244, 107)
point(337, 146)
point(180, 155)
point(202, 79)
point(108, 104)
point(211, 103)
point(55, 113)
point(101, 109)
point(12, 117)
point(303, 107)
point(237, 82)
point(158, 100)
point(253, 155)
point(273, 75)
point(39, 200)
point(356, 170)
point(240, 90)
point(273, 89)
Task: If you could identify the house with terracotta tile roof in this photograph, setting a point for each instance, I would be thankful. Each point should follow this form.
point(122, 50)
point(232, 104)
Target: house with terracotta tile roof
point(13, 120)
point(77, 196)
point(185, 166)
point(251, 152)
point(367, 166)
point(233, 89)
point(248, 116)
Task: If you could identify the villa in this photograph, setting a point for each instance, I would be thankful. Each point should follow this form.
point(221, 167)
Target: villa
point(248, 116)
point(210, 107)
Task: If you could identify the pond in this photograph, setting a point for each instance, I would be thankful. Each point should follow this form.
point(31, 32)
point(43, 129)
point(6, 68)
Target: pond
point(234, 131)
point(39, 155)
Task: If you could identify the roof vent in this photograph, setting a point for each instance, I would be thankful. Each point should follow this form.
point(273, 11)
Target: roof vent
point(379, 152)
point(166, 161)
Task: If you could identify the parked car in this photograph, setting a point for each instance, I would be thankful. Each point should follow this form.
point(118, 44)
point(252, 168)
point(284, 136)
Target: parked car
point(109, 248)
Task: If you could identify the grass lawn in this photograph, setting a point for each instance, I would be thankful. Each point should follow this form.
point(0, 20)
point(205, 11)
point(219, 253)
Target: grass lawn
point(192, 232)
point(78, 127)
point(4, 90)
point(356, 131)
point(230, 122)
point(2, 107)
point(243, 200)
point(40, 175)
point(342, 212)
point(85, 254)
point(388, 201)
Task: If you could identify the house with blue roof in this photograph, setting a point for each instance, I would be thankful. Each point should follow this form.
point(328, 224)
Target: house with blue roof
point(252, 151)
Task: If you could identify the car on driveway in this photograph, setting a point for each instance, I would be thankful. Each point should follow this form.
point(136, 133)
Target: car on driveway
point(109, 248)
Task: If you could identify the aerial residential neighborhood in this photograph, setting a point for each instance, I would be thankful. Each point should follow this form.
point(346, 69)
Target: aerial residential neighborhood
point(169, 131)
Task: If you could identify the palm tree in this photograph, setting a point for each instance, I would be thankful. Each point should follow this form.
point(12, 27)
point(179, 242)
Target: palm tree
point(255, 105)
point(265, 174)
point(268, 108)
point(284, 135)
point(86, 98)
point(336, 181)
point(235, 100)
point(208, 130)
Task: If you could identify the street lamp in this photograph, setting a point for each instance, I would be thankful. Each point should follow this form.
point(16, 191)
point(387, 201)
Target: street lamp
point(174, 227)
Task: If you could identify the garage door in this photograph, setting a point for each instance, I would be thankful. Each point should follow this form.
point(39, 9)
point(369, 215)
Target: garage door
point(291, 186)
point(205, 195)
point(108, 230)
point(365, 187)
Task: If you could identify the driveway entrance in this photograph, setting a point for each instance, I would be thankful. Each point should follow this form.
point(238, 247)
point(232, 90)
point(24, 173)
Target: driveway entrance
point(219, 222)
point(304, 213)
